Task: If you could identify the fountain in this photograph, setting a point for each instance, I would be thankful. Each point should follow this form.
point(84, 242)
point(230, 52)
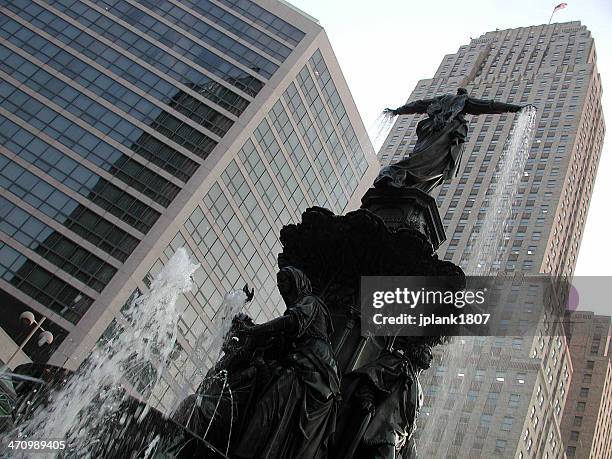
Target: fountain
point(87, 408)
point(395, 233)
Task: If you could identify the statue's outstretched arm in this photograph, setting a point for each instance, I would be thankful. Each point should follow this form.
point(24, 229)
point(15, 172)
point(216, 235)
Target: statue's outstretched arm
point(481, 106)
point(279, 326)
point(418, 106)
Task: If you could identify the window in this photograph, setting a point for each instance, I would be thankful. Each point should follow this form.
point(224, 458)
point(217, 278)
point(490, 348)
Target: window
point(513, 401)
point(571, 451)
point(580, 406)
point(500, 446)
point(584, 392)
point(507, 423)
point(577, 421)
point(485, 420)
point(574, 435)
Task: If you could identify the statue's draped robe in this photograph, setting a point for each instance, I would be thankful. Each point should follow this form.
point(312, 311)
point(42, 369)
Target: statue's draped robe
point(296, 414)
point(440, 138)
point(399, 398)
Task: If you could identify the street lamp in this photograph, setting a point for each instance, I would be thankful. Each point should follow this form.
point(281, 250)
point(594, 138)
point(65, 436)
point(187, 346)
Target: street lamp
point(28, 319)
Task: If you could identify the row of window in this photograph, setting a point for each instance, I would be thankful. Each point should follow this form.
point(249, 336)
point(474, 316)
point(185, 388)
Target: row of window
point(297, 154)
point(98, 50)
point(99, 21)
point(44, 287)
point(98, 116)
point(82, 70)
point(80, 141)
point(82, 222)
point(37, 192)
point(338, 111)
point(53, 246)
point(191, 24)
point(238, 27)
point(315, 147)
point(326, 128)
point(281, 170)
point(267, 20)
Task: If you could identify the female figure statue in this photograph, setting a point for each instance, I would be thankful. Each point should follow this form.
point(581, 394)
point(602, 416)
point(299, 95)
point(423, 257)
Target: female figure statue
point(440, 139)
point(295, 414)
point(381, 402)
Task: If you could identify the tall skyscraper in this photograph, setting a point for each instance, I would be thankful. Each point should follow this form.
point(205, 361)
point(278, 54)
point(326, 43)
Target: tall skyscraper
point(587, 418)
point(132, 128)
point(506, 395)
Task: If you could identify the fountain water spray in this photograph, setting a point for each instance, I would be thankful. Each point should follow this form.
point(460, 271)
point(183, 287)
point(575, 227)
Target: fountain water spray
point(486, 249)
point(380, 128)
point(487, 246)
point(208, 350)
point(90, 397)
point(208, 345)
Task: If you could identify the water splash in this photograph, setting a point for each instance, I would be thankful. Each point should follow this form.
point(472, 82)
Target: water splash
point(488, 245)
point(209, 344)
point(91, 397)
point(380, 128)
point(487, 248)
point(208, 349)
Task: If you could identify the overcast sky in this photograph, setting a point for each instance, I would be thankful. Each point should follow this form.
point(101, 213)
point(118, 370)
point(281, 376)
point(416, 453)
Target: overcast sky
point(385, 47)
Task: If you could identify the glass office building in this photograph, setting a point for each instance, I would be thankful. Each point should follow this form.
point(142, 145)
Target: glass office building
point(131, 128)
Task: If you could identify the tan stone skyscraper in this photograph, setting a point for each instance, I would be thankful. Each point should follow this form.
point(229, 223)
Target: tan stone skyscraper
point(131, 128)
point(505, 396)
point(587, 418)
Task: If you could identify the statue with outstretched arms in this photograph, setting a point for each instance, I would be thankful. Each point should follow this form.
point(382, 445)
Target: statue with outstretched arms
point(440, 138)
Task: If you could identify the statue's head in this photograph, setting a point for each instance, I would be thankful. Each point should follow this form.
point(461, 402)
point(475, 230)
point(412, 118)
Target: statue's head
point(292, 284)
point(421, 356)
point(462, 92)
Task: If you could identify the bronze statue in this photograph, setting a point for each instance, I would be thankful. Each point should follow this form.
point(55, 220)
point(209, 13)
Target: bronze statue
point(295, 414)
point(381, 402)
point(440, 138)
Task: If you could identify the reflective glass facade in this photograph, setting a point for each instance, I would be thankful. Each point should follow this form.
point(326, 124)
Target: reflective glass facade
point(107, 111)
point(125, 135)
point(295, 158)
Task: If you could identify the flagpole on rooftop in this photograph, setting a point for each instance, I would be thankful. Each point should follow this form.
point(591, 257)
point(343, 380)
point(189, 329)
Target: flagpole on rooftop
point(560, 6)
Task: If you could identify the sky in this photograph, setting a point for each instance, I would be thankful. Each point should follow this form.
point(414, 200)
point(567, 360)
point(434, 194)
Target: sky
point(385, 47)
